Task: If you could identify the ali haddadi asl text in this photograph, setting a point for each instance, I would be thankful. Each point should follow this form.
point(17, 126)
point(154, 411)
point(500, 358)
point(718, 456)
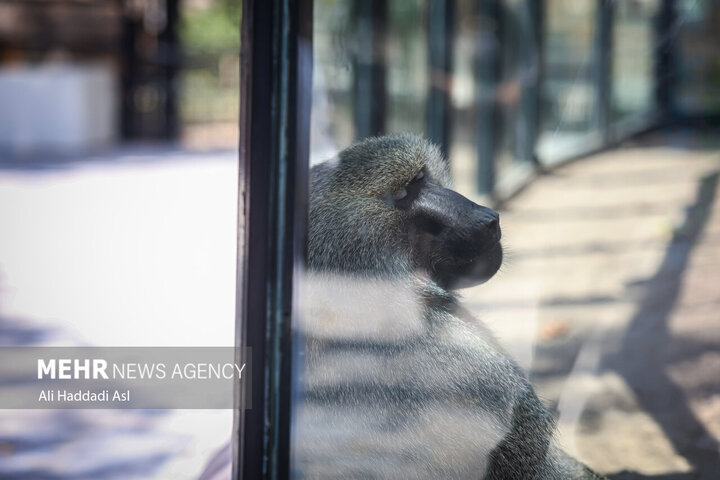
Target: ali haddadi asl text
point(62, 395)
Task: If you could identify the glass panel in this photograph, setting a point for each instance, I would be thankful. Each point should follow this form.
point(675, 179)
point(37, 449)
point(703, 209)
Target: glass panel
point(633, 61)
point(568, 101)
point(380, 391)
point(699, 64)
point(415, 355)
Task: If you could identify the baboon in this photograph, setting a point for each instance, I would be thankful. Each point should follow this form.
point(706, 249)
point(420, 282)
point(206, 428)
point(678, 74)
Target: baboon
point(398, 380)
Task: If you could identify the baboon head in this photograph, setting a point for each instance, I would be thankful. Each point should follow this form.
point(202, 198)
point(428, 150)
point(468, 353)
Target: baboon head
point(383, 207)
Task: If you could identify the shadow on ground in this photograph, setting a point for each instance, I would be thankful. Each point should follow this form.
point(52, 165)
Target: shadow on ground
point(642, 359)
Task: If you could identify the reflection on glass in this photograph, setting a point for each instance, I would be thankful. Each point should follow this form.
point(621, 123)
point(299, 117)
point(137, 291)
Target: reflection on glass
point(633, 60)
point(568, 95)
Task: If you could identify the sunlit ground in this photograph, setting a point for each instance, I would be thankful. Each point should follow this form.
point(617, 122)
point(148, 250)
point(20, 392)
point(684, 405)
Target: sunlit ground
point(134, 247)
point(610, 297)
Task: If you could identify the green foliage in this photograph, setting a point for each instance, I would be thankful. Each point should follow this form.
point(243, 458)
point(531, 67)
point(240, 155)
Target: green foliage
point(213, 30)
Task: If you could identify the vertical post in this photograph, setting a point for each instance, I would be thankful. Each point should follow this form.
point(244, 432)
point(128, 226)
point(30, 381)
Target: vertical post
point(129, 74)
point(170, 57)
point(275, 96)
point(487, 75)
point(530, 51)
point(665, 68)
point(439, 104)
point(603, 67)
point(370, 94)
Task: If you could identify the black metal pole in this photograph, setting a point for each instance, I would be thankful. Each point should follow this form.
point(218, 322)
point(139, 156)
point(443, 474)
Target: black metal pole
point(370, 92)
point(487, 77)
point(530, 50)
point(665, 68)
point(275, 95)
point(129, 74)
point(603, 68)
point(170, 58)
point(439, 103)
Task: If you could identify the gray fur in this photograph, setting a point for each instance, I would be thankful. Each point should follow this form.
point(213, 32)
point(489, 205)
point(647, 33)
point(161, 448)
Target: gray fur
point(349, 213)
point(400, 380)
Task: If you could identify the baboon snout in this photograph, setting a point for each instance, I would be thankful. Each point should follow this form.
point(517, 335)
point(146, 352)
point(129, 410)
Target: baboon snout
point(486, 224)
point(455, 238)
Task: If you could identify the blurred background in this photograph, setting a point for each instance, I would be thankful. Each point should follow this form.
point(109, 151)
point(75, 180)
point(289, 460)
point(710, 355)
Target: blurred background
point(81, 74)
point(590, 124)
point(118, 194)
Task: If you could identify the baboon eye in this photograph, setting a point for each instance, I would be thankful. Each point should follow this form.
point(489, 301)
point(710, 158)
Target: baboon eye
point(400, 194)
point(404, 197)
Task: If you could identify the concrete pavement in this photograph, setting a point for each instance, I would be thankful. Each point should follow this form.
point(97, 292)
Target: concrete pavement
point(611, 297)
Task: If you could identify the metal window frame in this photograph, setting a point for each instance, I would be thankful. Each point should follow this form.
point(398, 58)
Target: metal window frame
point(275, 101)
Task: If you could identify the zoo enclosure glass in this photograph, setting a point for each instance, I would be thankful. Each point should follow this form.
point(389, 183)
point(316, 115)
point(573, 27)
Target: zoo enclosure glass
point(523, 85)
